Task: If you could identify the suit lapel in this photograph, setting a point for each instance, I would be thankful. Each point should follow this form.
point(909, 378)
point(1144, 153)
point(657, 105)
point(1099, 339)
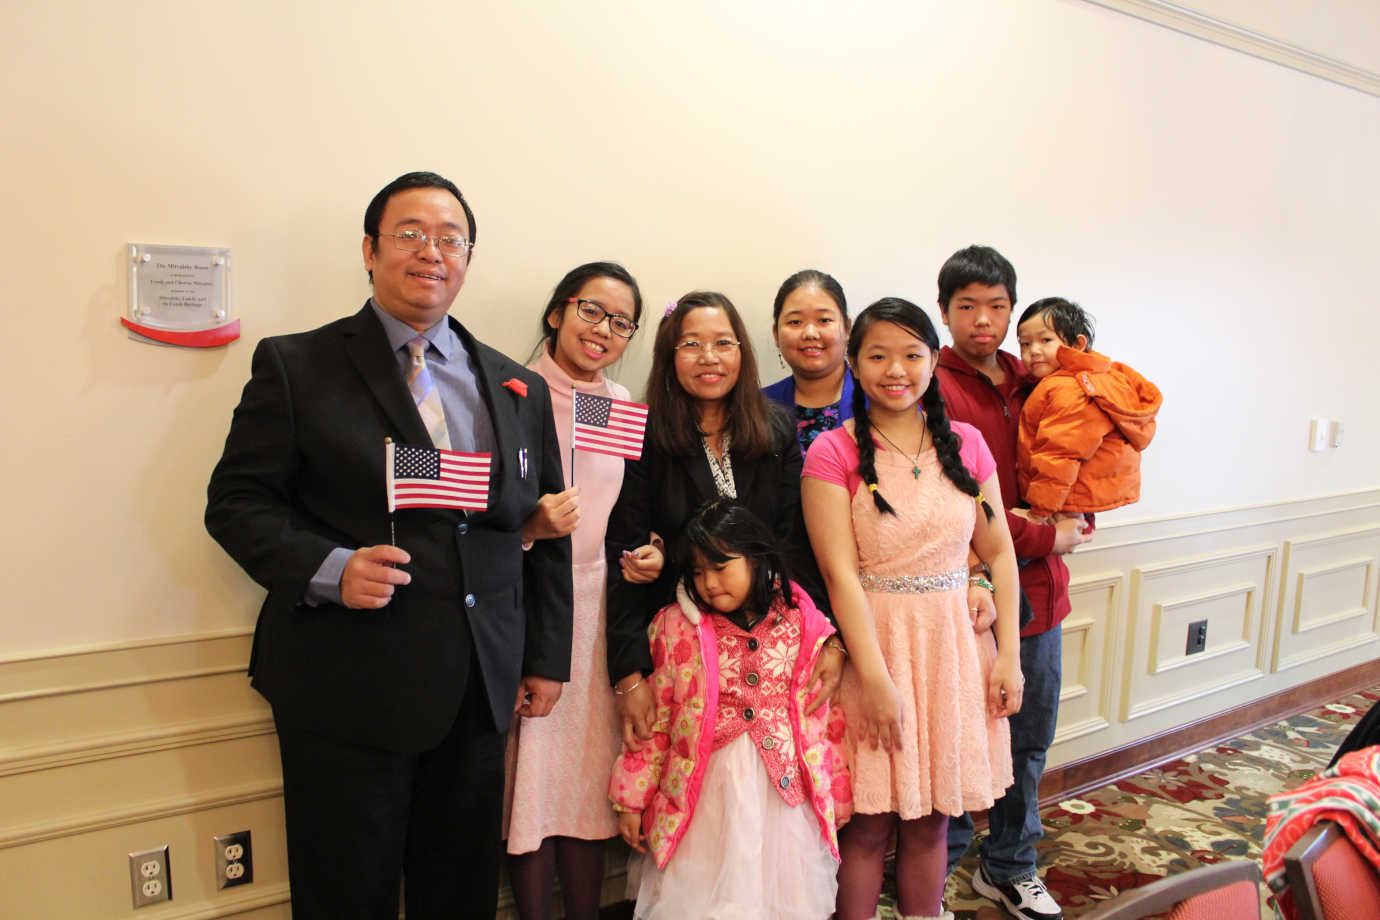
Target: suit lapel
point(367, 347)
point(488, 370)
point(697, 467)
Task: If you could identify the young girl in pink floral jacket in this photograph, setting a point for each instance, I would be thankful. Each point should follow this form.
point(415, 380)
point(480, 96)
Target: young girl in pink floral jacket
point(743, 780)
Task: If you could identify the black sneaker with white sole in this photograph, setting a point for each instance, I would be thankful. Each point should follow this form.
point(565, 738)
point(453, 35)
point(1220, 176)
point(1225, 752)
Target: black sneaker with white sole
point(1025, 899)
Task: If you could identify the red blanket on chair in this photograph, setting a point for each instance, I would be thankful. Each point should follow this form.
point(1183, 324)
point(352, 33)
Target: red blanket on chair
point(1348, 793)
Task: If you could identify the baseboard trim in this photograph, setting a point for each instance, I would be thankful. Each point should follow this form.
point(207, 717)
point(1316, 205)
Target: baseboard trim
point(1080, 776)
point(233, 905)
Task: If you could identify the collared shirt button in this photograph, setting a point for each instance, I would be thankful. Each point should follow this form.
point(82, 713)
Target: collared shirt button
point(768, 743)
point(464, 529)
point(749, 714)
point(469, 600)
point(785, 782)
point(752, 645)
point(752, 679)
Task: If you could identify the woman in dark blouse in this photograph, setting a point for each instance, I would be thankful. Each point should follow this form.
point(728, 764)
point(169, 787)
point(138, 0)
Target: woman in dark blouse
point(710, 433)
point(810, 325)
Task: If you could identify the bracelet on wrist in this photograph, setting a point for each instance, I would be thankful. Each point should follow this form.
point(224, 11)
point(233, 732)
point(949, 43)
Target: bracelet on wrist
point(629, 689)
point(836, 646)
point(982, 582)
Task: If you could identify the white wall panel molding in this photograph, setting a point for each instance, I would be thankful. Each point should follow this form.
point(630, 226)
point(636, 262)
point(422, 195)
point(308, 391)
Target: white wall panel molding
point(1294, 513)
point(129, 743)
point(170, 807)
point(1187, 609)
point(1328, 598)
point(1087, 699)
point(104, 667)
point(1229, 35)
point(1242, 570)
point(1232, 591)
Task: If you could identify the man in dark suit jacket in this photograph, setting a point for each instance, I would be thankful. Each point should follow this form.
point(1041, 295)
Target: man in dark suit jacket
point(395, 666)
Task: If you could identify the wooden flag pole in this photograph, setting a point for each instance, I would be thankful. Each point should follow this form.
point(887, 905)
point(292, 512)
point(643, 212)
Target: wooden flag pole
point(574, 391)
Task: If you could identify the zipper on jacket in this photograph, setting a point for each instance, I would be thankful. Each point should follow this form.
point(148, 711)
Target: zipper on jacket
point(1005, 410)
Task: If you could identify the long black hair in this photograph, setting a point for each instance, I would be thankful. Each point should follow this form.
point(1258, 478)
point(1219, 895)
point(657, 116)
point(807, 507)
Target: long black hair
point(673, 421)
point(724, 528)
point(914, 320)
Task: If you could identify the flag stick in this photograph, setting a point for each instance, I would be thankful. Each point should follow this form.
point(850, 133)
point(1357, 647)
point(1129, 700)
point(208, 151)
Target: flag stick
point(574, 391)
point(392, 532)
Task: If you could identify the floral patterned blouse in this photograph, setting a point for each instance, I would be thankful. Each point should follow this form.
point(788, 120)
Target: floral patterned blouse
point(811, 422)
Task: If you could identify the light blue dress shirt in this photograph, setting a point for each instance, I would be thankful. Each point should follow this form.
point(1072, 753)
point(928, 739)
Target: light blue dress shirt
point(467, 418)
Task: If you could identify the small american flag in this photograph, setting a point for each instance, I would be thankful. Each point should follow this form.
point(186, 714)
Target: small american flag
point(424, 477)
point(609, 426)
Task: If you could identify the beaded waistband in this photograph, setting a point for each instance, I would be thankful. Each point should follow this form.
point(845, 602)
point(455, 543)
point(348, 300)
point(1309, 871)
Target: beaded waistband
point(915, 584)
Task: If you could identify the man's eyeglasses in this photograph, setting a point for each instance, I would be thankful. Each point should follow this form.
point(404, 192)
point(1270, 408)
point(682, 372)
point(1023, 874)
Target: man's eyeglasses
point(416, 241)
point(594, 313)
point(693, 348)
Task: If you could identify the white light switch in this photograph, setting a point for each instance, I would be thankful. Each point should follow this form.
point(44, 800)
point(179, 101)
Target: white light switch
point(1318, 431)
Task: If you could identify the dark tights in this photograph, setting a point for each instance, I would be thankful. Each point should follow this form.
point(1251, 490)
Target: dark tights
point(921, 858)
point(581, 867)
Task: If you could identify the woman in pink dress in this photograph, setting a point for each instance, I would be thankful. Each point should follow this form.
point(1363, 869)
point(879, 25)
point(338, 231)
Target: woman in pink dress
point(893, 501)
point(558, 817)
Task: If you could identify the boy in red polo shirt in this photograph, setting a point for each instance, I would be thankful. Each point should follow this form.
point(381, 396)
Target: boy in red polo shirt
point(986, 387)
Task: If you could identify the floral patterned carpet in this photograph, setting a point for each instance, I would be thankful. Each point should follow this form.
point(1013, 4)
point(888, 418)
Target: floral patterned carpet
point(1203, 808)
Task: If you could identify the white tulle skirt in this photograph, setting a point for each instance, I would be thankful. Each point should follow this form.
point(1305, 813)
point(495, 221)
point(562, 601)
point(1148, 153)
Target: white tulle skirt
point(747, 855)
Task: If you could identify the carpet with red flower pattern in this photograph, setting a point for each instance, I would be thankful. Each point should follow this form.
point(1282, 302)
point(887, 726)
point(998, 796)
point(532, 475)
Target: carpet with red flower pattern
point(1203, 808)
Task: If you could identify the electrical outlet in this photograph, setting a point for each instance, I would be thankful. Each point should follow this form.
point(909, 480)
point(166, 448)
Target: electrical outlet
point(1197, 637)
point(234, 860)
point(150, 876)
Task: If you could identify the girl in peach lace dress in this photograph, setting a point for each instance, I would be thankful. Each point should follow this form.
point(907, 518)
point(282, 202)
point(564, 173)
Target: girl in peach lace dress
point(893, 502)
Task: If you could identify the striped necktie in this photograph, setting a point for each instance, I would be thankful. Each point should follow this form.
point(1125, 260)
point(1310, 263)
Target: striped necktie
point(425, 395)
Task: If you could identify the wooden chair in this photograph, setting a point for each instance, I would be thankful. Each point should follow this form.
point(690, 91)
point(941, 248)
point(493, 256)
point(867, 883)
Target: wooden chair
point(1225, 891)
point(1329, 878)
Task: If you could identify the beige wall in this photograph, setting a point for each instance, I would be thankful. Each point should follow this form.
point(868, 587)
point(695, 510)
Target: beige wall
point(1206, 205)
point(1216, 211)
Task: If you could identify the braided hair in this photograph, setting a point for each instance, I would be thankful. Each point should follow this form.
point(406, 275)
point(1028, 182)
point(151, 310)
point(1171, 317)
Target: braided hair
point(914, 320)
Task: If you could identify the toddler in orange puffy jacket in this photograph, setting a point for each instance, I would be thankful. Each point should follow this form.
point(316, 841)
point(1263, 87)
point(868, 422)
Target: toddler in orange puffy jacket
point(1085, 423)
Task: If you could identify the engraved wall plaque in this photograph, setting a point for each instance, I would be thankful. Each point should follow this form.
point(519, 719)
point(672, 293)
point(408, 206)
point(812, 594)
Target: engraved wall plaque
point(180, 295)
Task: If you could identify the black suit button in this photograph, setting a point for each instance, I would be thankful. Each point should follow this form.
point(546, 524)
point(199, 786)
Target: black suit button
point(464, 529)
point(469, 600)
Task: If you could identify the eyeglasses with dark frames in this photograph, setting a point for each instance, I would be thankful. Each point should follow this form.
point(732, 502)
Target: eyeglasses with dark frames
point(593, 313)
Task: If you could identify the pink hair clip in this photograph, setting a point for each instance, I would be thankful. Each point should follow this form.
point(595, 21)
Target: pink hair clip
point(671, 307)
